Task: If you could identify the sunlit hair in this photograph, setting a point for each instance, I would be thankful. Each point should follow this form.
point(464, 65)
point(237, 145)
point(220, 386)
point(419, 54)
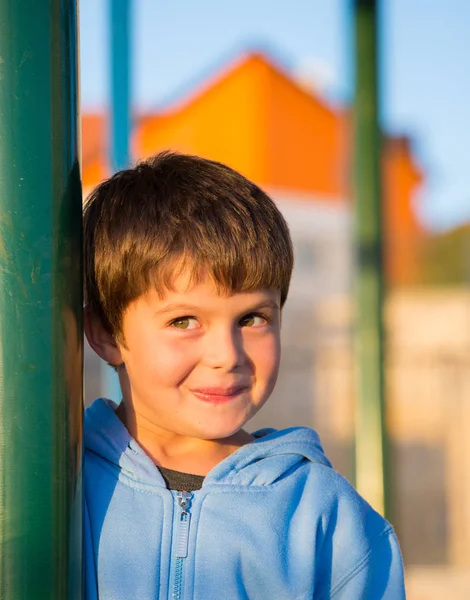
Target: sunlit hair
point(175, 213)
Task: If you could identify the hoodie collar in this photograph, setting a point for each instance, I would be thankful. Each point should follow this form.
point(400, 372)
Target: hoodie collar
point(266, 460)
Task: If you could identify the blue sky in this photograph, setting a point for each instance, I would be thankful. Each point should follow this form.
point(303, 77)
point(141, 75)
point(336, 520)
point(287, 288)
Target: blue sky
point(425, 78)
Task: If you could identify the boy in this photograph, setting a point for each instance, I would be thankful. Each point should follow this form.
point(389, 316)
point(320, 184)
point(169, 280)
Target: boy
point(187, 267)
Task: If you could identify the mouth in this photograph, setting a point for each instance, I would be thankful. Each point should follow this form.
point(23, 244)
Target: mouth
point(219, 395)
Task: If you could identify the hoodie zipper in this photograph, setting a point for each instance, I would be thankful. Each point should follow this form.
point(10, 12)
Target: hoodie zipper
point(182, 537)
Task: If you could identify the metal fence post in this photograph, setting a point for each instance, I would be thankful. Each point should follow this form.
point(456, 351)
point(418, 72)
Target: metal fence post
point(371, 476)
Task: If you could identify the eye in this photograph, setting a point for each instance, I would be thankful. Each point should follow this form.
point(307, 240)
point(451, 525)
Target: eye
point(253, 320)
point(185, 323)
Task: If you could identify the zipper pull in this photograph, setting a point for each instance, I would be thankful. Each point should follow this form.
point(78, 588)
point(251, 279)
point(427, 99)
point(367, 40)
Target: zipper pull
point(184, 501)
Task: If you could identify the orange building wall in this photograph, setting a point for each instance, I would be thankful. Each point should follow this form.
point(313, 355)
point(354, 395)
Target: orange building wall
point(94, 150)
point(258, 121)
point(224, 123)
point(403, 235)
point(305, 140)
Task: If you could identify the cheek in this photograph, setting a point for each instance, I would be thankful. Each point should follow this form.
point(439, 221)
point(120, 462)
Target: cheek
point(274, 361)
point(162, 360)
point(265, 355)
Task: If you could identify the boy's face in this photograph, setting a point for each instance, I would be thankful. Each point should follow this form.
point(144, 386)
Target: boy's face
point(200, 364)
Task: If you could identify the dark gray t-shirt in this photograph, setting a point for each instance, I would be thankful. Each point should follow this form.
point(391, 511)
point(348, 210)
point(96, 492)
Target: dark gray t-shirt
point(181, 482)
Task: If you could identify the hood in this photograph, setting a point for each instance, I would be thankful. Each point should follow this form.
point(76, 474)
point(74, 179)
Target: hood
point(262, 462)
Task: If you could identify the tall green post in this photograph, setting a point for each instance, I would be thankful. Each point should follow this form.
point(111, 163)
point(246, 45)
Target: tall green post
point(371, 474)
point(40, 303)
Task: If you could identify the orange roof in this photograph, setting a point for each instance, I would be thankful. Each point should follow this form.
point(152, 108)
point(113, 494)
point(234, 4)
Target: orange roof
point(256, 118)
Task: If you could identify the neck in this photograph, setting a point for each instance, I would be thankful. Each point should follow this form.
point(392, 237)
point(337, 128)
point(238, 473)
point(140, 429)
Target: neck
point(178, 452)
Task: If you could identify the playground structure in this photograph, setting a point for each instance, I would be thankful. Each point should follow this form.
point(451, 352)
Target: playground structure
point(41, 286)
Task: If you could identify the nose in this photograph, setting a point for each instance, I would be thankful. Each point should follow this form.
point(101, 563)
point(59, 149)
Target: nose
point(224, 349)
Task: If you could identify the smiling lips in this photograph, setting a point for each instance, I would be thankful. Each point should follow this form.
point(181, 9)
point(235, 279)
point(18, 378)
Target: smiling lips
point(219, 395)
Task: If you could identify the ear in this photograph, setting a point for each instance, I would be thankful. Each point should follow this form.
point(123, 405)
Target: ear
point(100, 340)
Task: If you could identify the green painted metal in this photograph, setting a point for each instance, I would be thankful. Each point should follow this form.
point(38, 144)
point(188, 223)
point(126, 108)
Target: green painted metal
point(40, 303)
point(370, 444)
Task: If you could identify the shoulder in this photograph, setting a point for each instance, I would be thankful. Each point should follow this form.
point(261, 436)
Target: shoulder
point(344, 513)
point(297, 459)
point(358, 553)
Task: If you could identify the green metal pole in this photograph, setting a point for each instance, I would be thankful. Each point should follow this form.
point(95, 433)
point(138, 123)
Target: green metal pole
point(371, 475)
point(40, 303)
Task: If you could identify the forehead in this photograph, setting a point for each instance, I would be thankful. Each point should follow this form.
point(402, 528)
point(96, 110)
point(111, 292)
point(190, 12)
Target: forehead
point(204, 297)
point(184, 276)
point(206, 293)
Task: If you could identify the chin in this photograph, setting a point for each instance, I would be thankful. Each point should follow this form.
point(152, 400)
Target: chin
point(221, 430)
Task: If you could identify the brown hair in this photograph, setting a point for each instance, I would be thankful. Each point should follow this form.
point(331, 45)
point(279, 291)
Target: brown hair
point(175, 212)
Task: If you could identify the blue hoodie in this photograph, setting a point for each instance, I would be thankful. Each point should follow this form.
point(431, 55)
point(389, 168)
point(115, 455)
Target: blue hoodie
point(273, 521)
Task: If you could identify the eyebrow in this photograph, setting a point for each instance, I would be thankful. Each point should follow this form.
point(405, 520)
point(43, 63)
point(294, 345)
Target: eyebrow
point(175, 307)
point(268, 304)
point(188, 308)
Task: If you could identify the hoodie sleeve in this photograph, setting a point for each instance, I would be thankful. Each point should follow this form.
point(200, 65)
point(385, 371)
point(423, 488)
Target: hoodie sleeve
point(379, 576)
